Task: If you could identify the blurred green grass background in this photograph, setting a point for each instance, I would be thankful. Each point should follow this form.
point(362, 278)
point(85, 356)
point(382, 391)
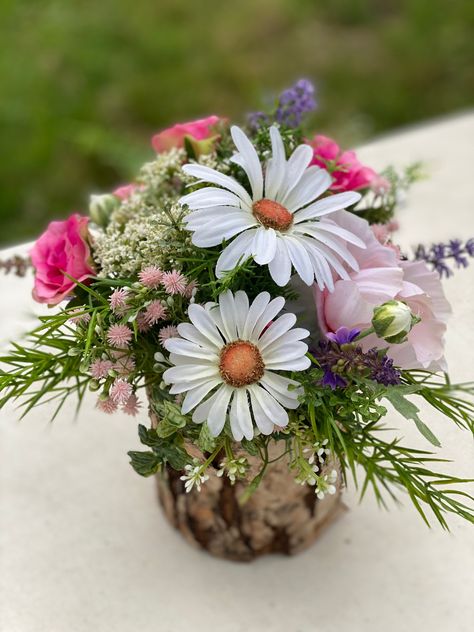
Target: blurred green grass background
point(84, 84)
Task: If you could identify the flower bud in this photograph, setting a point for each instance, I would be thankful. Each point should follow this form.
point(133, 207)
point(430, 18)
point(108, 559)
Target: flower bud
point(393, 320)
point(101, 207)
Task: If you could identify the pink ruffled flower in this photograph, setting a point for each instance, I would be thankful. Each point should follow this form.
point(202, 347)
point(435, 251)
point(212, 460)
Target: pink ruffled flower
point(61, 250)
point(100, 368)
point(124, 364)
point(200, 129)
point(79, 316)
point(190, 290)
point(349, 174)
point(120, 391)
point(142, 324)
point(132, 406)
point(174, 282)
point(118, 300)
point(119, 336)
point(167, 332)
point(125, 191)
point(154, 312)
point(107, 406)
point(150, 276)
point(382, 277)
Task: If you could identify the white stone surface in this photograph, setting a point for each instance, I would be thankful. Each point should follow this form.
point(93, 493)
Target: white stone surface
point(83, 544)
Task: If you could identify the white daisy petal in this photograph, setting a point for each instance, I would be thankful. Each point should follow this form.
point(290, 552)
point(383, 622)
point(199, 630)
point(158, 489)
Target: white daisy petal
point(197, 394)
point(264, 245)
point(182, 387)
point(204, 323)
point(327, 205)
point(210, 196)
point(284, 352)
point(276, 166)
point(278, 386)
point(256, 310)
point(201, 413)
point(334, 243)
point(240, 418)
point(280, 266)
point(213, 234)
point(274, 307)
point(313, 183)
point(189, 332)
point(241, 301)
point(294, 335)
point(331, 227)
point(206, 174)
point(322, 271)
point(214, 216)
point(280, 326)
point(218, 410)
point(237, 251)
point(300, 364)
point(263, 421)
point(274, 411)
point(189, 349)
point(295, 168)
point(251, 162)
point(227, 310)
point(189, 372)
point(300, 260)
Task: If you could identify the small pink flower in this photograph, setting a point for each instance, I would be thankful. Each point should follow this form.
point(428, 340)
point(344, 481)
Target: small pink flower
point(79, 316)
point(174, 136)
point(118, 300)
point(174, 282)
point(124, 364)
point(106, 405)
point(190, 290)
point(119, 336)
point(100, 368)
point(120, 391)
point(150, 276)
point(381, 233)
point(60, 253)
point(380, 185)
point(347, 172)
point(132, 406)
point(170, 331)
point(142, 324)
point(125, 191)
point(154, 312)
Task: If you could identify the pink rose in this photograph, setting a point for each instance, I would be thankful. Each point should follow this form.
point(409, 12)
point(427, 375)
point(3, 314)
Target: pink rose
point(62, 249)
point(125, 191)
point(382, 277)
point(174, 136)
point(347, 172)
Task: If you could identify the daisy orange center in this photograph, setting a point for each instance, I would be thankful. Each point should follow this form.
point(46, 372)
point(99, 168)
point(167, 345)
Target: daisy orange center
point(272, 215)
point(241, 363)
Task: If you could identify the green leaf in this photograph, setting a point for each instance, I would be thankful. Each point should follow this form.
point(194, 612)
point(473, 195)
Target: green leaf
point(396, 396)
point(148, 436)
point(144, 463)
point(205, 442)
point(249, 447)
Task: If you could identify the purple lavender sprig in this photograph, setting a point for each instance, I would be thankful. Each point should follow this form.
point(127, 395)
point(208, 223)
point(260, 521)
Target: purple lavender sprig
point(292, 104)
point(341, 358)
point(441, 256)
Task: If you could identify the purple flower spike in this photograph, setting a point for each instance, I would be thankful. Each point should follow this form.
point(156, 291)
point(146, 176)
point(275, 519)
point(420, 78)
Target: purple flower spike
point(343, 335)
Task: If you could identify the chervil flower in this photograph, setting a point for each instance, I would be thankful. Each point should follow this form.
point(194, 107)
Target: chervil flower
point(280, 224)
point(225, 361)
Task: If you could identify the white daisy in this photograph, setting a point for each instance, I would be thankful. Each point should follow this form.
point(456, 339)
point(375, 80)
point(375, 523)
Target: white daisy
point(229, 355)
point(281, 223)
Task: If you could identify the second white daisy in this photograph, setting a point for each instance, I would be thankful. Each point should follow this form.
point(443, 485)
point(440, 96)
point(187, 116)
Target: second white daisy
point(281, 223)
point(226, 362)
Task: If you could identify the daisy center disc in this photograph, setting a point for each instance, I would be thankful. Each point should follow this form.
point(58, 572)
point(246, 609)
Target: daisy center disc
point(241, 363)
point(272, 215)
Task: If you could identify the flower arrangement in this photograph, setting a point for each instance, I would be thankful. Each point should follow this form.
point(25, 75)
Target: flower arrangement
point(249, 283)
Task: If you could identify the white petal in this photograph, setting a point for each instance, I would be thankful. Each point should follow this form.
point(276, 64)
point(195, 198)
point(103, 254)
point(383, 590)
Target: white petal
point(284, 352)
point(203, 321)
point(274, 307)
point(295, 168)
point(312, 184)
point(210, 196)
point(189, 332)
point(197, 394)
point(215, 216)
point(182, 387)
point(276, 166)
point(240, 419)
point(327, 205)
point(206, 174)
point(213, 234)
point(227, 310)
point(189, 349)
point(280, 266)
point(333, 242)
point(264, 245)
point(322, 252)
point(189, 372)
point(277, 385)
point(280, 326)
point(241, 302)
point(272, 408)
point(331, 227)
point(256, 309)
point(237, 251)
point(322, 271)
point(290, 365)
point(218, 410)
point(300, 260)
point(294, 335)
point(251, 162)
point(264, 422)
point(202, 411)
